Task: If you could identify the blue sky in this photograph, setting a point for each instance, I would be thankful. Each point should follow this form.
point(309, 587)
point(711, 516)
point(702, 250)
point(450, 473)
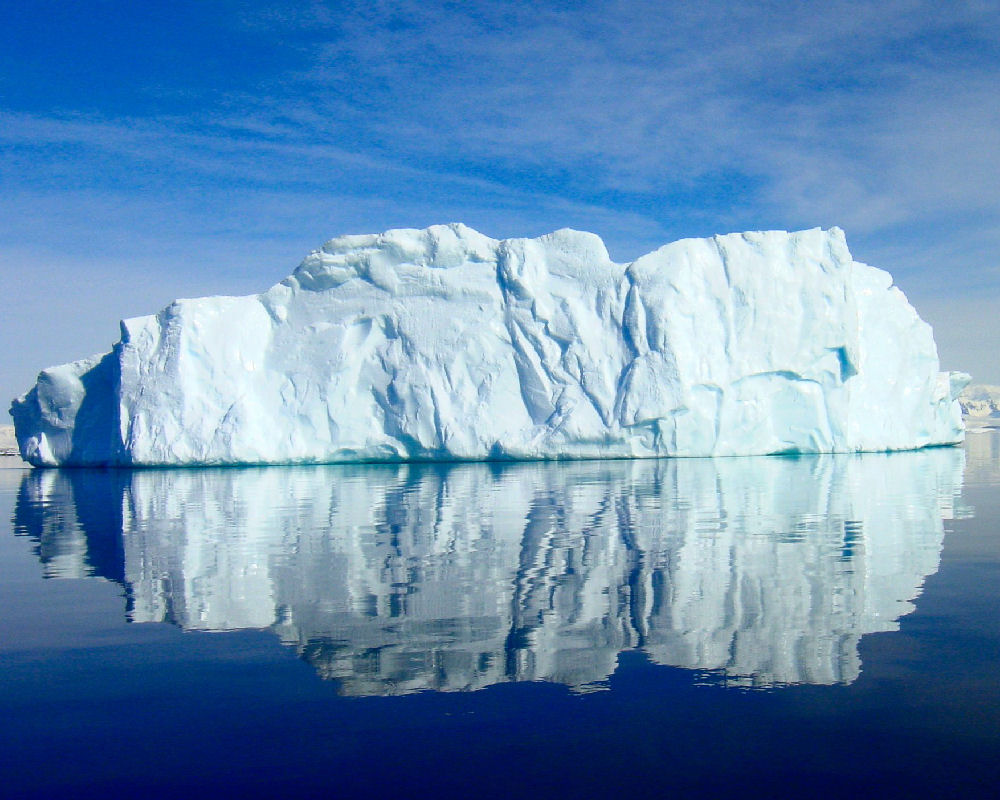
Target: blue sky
point(153, 150)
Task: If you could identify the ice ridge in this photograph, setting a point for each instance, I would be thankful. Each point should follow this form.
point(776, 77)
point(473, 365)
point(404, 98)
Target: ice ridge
point(445, 344)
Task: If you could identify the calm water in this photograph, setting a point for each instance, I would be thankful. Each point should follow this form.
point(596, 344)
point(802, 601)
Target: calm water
point(761, 626)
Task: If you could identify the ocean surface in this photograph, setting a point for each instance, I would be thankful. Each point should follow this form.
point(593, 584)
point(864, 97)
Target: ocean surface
point(755, 627)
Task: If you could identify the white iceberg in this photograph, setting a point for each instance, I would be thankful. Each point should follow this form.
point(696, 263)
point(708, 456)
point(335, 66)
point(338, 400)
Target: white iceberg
point(444, 344)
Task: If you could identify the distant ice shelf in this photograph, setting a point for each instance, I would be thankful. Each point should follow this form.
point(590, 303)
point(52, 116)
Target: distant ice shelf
point(445, 344)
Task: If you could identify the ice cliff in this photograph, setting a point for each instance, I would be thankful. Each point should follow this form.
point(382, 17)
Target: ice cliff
point(446, 344)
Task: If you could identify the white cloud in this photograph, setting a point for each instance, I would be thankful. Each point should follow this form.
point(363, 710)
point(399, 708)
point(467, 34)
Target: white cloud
point(643, 121)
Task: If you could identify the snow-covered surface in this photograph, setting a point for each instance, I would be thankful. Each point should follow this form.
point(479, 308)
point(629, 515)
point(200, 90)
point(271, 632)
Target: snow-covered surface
point(8, 443)
point(9, 455)
point(980, 405)
point(446, 344)
point(400, 578)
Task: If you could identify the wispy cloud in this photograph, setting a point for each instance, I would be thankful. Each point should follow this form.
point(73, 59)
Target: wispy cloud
point(864, 115)
point(871, 116)
point(641, 120)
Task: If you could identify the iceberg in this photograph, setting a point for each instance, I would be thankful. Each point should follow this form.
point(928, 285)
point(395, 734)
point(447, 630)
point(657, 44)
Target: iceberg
point(445, 344)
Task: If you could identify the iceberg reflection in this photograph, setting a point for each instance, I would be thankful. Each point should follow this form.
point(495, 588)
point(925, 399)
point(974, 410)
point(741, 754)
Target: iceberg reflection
point(394, 578)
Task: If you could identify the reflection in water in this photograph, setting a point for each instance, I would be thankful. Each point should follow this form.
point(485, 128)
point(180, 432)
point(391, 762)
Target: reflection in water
point(982, 456)
point(392, 579)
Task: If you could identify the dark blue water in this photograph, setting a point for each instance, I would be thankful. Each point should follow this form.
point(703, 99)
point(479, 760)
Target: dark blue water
point(823, 626)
